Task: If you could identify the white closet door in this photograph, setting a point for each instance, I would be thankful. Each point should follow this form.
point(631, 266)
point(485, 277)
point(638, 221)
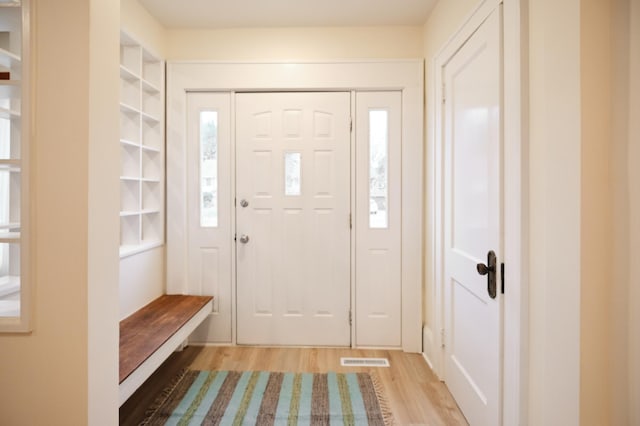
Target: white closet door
point(209, 210)
point(293, 236)
point(473, 223)
point(378, 219)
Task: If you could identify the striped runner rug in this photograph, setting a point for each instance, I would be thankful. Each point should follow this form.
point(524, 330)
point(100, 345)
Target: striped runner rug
point(267, 398)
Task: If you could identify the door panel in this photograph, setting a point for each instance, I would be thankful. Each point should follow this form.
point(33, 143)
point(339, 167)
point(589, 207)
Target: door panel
point(209, 210)
point(378, 219)
point(293, 272)
point(472, 220)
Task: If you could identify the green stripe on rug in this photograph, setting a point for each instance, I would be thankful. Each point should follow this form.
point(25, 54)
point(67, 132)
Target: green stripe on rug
point(264, 398)
point(294, 407)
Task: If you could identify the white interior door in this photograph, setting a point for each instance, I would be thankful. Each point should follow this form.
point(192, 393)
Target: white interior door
point(292, 210)
point(473, 223)
point(209, 210)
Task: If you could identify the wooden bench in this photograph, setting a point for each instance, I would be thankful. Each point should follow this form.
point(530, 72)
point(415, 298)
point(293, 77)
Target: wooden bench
point(151, 334)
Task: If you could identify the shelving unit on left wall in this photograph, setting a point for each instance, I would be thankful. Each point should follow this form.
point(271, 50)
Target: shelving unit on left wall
point(14, 165)
point(141, 148)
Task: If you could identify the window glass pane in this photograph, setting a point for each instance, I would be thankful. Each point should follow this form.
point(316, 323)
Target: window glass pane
point(378, 168)
point(292, 173)
point(208, 169)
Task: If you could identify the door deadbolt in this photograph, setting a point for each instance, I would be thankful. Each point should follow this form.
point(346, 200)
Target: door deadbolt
point(490, 271)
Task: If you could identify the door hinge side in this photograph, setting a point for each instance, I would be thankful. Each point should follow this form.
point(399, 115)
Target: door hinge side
point(350, 221)
point(350, 318)
point(502, 277)
point(350, 124)
point(442, 344)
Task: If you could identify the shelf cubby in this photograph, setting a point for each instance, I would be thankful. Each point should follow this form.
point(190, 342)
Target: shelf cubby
point(151, 135)
point(151, 196)
point(151, 167)
point(142, 147)
point(130, 161)
point(129, 195)
point(130, 230)
point(129, 124)
point(130, 91)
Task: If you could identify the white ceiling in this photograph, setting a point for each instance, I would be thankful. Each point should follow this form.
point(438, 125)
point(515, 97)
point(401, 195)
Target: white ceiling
point(287, 13)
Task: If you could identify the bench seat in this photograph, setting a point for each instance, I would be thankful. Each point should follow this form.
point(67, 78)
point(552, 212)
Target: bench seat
point(150, 335)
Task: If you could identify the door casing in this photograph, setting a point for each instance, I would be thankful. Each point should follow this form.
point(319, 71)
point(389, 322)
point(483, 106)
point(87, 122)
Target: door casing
point(402, 75)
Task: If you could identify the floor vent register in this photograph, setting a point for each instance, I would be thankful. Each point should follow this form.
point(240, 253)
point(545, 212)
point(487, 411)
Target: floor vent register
point(364, 362)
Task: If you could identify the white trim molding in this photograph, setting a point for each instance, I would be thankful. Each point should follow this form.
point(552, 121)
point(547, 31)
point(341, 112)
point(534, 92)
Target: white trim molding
point(406, 76)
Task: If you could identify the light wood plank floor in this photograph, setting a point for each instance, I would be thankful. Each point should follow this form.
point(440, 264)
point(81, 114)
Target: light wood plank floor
point(415, 395)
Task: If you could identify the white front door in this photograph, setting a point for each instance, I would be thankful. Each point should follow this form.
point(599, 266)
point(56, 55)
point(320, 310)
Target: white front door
point(292, 212)
point(473, 223)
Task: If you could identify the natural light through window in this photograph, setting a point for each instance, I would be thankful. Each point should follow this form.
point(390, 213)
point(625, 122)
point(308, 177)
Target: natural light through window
point(292, 173)
point(378, 168)
point(208, 169)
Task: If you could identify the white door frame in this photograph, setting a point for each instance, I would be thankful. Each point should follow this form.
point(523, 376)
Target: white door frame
point(404, 75)
point(515, 353)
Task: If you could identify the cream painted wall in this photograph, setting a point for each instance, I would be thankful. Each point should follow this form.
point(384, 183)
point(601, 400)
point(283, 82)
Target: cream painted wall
point(445, 19)
point(620, 198)
point(145, 28)
point(300, 44)
point(625, 324)
point(141, 280)
point(555, 211)
point(46, 374)
point(596, 356)
point(633, 162)
point(103, 212)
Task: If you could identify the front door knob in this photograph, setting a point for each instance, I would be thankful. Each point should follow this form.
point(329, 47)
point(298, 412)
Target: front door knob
point(244, 239)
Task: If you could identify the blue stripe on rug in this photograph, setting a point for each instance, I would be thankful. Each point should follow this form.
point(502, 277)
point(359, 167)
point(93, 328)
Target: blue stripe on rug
point(306, 390)
point(359, 412)
point(284, 401)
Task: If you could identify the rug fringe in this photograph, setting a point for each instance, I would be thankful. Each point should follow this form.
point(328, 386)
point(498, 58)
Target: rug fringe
point(385, 408)
point(160, 399)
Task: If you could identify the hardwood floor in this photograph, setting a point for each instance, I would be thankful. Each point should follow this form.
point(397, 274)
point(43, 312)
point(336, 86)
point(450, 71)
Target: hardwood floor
point(415, 395)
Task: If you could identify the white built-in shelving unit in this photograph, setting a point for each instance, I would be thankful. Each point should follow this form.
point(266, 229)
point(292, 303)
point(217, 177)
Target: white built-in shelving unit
point(141, 147)
point(14, 156)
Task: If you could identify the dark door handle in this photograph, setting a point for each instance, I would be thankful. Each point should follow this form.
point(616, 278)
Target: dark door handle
point(490, 271)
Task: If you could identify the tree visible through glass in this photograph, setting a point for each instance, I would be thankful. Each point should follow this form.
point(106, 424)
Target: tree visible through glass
point(208, 169)
point(378, 168)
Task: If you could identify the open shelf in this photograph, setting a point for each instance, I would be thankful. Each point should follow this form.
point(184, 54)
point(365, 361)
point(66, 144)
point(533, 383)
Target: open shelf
point(142, 148)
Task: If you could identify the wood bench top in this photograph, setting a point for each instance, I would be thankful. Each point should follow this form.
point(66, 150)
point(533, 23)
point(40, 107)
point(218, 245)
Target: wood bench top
point(142, 333)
